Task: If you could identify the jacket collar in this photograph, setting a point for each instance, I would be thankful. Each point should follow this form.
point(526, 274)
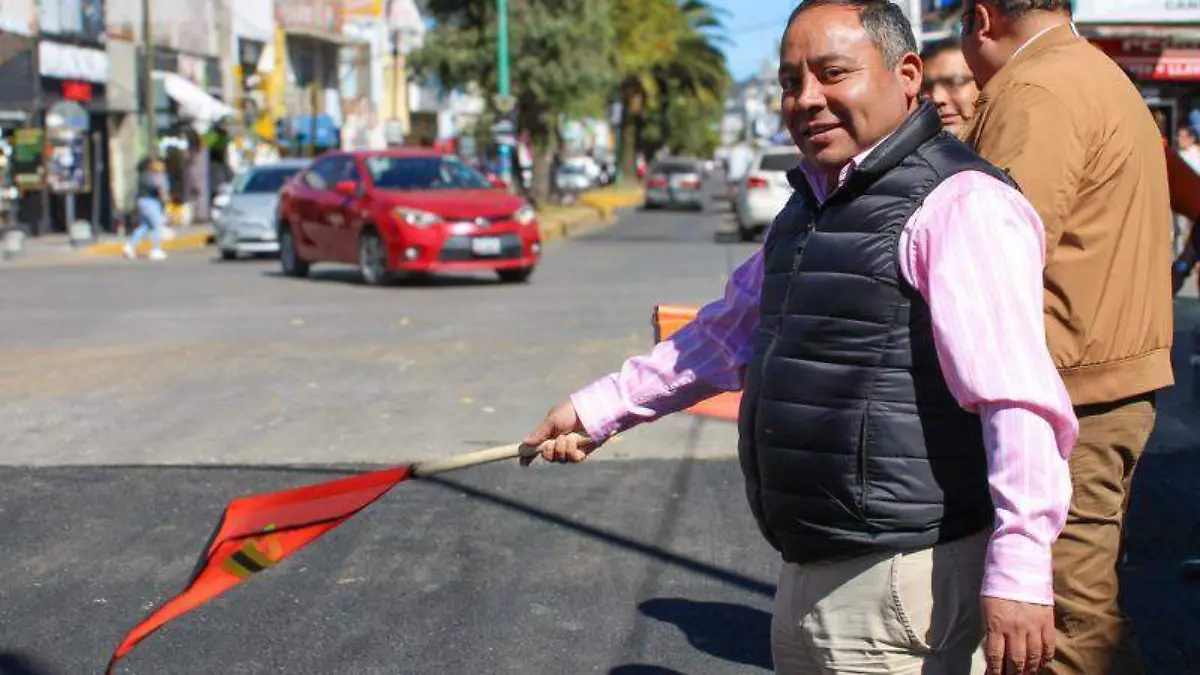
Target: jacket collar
point(920, 126)
point(1039, 45)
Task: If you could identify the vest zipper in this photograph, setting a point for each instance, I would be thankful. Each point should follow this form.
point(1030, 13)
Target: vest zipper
point(787, 296)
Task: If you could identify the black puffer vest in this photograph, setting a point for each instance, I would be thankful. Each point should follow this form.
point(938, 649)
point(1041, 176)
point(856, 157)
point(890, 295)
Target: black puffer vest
point(851, 442)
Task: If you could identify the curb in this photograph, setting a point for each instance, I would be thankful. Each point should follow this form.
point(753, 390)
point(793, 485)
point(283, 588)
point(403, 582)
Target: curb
point(608, 201)
point(186, 241)
point(568, 224)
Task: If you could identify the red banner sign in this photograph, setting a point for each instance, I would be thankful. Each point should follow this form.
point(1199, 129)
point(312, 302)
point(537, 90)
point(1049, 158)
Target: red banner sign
point(1157, 59)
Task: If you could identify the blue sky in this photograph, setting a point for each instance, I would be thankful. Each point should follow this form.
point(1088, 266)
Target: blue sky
point(754, 27)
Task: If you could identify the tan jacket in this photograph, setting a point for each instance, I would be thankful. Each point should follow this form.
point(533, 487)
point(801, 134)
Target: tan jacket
point(1073, 132)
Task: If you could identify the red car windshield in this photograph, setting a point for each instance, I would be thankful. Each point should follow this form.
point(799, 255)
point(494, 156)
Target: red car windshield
point(423, 173)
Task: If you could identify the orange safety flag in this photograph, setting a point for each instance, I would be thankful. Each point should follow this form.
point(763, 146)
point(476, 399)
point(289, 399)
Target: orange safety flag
point(668, 319)
point(260, 531)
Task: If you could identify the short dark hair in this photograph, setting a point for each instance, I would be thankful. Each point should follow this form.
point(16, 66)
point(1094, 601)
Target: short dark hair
point(1016, 8)
point(883, 21)
point(939, 47)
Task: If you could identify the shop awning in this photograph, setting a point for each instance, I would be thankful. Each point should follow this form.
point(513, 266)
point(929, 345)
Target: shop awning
point(195, 104)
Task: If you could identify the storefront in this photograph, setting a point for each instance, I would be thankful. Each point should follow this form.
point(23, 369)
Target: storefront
point(1158, 43)
point(314, 40)
point(17, 89)
point(1166, 69)
point(79, 75)
point(253, 88)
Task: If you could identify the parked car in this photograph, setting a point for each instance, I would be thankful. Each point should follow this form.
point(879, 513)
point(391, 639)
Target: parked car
point(411, 210)
point(764, 190)
point(573, 179)
point(677, 182)
point(246, 224)
point(740, 158)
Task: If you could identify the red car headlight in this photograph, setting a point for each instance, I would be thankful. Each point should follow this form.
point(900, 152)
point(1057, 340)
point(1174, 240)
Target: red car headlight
point(416, 217)
point(525, 215)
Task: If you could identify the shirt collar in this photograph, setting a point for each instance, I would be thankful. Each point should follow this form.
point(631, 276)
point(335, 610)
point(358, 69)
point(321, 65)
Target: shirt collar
point(818, 180)
point(1040, 34)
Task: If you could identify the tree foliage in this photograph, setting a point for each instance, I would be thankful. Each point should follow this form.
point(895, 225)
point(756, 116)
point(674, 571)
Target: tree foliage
point(682, 65)
point(574, 57)
point(560, 60)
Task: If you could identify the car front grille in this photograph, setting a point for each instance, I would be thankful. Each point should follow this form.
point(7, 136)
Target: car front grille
point(458, 249)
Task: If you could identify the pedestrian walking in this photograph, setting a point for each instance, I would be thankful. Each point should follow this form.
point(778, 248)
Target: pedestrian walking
point(1087, 153)
point(903, 431)
point(949, 83)
point(1189, 151)
point(152, 198)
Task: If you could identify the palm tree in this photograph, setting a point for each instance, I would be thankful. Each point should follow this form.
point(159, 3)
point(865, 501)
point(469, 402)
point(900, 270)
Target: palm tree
point(665, 46)
point(698, 70)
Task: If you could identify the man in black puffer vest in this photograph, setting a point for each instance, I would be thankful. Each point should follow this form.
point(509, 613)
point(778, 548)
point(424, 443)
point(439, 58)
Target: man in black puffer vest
point(903, 428)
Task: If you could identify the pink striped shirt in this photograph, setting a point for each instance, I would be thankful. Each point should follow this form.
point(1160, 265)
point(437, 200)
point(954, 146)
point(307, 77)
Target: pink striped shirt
point(975, 252)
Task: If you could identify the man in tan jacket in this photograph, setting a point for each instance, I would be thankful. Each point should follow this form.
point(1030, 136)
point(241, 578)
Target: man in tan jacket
point(1071, 129)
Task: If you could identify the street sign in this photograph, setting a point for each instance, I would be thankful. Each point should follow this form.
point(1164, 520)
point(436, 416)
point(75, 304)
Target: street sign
point(67, 165)
point(67, 118)
point(504, 132)
point(504, 104)
point(1174, 12)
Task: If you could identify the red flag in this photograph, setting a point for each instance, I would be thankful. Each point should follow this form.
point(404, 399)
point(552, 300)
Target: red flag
point(258, 532)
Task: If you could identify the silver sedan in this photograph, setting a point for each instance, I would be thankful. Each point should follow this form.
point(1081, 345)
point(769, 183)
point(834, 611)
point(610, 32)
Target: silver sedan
point(246, 225)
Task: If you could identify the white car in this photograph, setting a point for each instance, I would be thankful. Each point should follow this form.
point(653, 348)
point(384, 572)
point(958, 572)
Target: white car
point(764, 190)
point(248, 223)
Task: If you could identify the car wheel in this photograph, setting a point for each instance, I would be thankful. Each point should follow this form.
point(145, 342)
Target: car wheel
point(372, 260)
point(517, 276)
point(746, 233)
point(289, 258)
point(228, 255)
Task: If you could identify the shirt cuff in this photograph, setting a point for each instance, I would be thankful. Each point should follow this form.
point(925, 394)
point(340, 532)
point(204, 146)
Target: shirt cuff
point(601, 408)
point(1018, 569)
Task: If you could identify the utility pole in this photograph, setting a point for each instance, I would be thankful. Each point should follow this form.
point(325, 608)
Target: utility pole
point(148, 80)
point(505, 95)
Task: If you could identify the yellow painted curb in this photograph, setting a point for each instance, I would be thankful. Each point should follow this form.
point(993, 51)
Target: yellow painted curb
point(607, 201)
point(185, 241)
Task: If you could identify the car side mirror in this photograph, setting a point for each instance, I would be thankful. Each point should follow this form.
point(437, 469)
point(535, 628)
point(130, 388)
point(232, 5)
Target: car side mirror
point(346, 188)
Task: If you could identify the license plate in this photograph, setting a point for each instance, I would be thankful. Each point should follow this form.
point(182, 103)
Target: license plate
point(485, 246)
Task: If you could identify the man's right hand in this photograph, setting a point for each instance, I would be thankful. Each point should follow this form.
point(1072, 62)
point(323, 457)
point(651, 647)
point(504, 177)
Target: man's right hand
point(559, 437)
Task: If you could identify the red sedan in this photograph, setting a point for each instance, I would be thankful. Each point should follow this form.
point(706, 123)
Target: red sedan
point(407, 210)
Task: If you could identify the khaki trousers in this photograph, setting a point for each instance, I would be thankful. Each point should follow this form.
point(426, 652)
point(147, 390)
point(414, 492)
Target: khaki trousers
point(1092, 638)
point(907, 614)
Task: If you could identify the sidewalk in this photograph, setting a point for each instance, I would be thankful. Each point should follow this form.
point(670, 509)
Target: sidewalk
point(57, 248)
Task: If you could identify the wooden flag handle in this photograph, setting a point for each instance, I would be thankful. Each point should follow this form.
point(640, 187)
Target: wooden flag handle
point(479, 457)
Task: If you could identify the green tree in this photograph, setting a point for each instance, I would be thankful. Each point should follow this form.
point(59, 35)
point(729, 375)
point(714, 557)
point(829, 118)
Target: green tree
point(665, 48)
point(561, 63)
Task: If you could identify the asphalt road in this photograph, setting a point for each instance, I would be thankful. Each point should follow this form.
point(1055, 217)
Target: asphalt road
point(200, 361)
point(136, 400)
